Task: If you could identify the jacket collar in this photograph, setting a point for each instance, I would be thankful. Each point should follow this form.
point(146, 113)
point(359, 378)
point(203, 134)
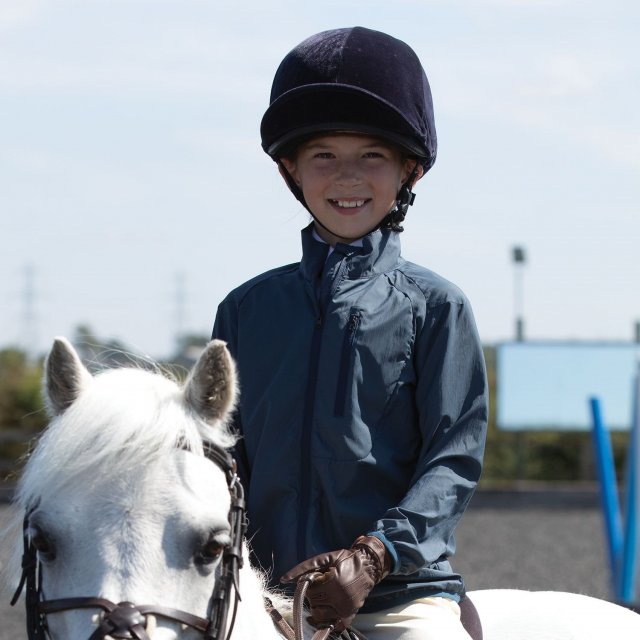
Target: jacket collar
point(379, 253)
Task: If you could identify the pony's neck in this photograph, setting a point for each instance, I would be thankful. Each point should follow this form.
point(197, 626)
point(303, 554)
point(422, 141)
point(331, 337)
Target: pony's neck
point(253, 620)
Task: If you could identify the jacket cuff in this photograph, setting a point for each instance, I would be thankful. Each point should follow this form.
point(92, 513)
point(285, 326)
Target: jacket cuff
point(375, 549)
point(394, 561)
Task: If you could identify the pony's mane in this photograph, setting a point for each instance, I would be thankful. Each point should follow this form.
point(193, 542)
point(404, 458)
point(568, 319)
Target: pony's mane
point(124, 418)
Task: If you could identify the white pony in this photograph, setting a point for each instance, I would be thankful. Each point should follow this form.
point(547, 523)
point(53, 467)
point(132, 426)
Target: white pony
point(124, 504)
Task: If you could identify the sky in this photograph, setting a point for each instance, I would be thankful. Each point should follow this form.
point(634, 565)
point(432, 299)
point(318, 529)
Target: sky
point(134, 193)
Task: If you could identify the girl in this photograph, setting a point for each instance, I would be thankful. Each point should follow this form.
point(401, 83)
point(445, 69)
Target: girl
point(363, 410)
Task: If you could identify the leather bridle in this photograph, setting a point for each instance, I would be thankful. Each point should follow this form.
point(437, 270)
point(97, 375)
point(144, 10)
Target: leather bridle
point(128, 620)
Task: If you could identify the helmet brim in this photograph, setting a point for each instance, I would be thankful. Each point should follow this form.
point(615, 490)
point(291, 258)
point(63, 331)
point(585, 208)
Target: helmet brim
point(310, 110)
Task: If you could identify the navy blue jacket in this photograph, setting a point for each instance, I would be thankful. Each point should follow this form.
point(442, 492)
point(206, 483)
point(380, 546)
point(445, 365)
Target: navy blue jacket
point(363, 410)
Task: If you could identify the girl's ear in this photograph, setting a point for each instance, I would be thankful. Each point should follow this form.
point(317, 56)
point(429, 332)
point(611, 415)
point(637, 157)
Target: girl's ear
point(410, 166)
point(290, 167)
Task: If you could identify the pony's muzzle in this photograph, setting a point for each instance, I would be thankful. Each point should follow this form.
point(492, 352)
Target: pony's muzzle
point(124, 622)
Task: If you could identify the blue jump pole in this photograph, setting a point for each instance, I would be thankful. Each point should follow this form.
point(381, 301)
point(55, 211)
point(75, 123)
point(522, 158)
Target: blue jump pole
point(608, 493)
point(630, 551)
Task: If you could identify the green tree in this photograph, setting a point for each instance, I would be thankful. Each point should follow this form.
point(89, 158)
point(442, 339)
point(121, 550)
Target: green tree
point(22, 412)
point(20, 399)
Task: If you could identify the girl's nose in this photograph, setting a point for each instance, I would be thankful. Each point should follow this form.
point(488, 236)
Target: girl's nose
point(348, 173)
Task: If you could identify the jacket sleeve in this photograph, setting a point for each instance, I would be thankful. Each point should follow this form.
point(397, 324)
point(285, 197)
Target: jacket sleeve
point(452, 406)
point(225, 327)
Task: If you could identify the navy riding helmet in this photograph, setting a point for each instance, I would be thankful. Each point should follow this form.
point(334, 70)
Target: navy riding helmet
point(348, 80)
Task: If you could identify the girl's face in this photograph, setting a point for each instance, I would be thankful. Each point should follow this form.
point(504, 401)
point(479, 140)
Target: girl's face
point(349, 181)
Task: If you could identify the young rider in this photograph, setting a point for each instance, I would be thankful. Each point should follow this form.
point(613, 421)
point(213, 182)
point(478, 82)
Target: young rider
point(363, 405)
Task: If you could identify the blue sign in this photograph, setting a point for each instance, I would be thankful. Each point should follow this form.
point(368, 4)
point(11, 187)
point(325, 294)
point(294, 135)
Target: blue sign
point(546, 385)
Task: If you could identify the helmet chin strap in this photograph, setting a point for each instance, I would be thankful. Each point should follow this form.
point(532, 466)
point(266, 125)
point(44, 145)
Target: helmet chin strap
point(394, 218)
point(404, 200)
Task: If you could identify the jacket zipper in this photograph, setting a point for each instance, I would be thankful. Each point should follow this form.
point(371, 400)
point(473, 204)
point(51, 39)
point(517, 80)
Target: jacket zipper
point(305, 445)
point(345, 361)
point(337, 278)
point(307, 426)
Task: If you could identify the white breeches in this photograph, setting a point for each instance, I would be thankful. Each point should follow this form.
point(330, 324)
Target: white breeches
point(420, 619)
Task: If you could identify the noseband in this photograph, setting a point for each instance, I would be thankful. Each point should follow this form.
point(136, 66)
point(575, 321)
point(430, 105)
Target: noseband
point(127, 620)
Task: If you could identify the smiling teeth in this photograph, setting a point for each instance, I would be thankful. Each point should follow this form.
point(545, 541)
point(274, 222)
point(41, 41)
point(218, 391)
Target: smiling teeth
point(349, 204)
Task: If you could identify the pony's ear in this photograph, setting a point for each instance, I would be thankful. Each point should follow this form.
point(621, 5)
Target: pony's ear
point(64, 377)
point(211, 389)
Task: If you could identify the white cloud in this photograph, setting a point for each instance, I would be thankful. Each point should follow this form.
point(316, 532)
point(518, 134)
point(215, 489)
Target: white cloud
point(620, 145)
point(535, 4)
point(14, 13)
point(103, 46)
point(563, 74)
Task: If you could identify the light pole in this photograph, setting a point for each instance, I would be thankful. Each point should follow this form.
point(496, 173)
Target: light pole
point(519, 260)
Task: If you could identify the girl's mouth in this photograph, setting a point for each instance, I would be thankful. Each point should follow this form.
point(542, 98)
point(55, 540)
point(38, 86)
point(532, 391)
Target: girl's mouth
point(348, 205)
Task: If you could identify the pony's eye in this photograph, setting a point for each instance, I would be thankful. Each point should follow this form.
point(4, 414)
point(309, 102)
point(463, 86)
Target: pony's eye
point(210, 552)
point(42, 544)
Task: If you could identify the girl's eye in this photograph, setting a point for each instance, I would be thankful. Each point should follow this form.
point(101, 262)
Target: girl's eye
point(373, 154)
point(323, 155)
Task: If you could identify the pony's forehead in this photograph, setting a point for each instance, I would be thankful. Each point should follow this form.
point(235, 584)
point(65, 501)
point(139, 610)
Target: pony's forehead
point(122, 400)
point(132, 390)
point(207, 482)
point(178, 480)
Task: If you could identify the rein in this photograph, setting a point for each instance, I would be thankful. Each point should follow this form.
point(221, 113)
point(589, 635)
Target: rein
point(127, 620)
point(296, 632)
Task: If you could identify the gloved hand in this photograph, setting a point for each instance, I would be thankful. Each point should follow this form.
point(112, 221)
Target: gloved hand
point(343, 581)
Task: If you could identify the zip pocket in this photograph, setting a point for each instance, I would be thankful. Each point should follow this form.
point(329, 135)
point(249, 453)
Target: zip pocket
point(346, 358)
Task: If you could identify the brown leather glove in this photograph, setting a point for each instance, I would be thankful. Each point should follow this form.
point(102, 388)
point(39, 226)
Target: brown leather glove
point(343, 580)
